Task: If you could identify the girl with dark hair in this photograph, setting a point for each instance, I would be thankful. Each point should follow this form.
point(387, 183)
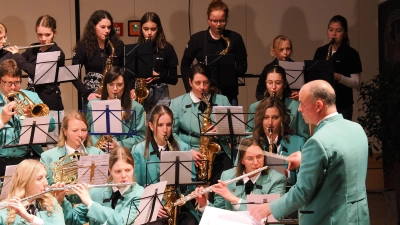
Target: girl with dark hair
point(209, 42)
point(230, 196)
point(92, 52)
point(346, 64)
point(165, 62)
point(277, 86)
point(114, 88)
point(107, 205)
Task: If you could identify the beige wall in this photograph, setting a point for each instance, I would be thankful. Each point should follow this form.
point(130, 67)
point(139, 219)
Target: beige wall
point(258, 21)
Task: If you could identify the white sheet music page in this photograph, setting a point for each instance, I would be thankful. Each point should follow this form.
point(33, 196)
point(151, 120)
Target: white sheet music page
point(40, 135)
point(294, 73)
point(146, 203)
point(216, 216)
point(100, 170)
point(68, 73)
point(46, 66)
point(259, 199)
point(237, 118)
point(99, 117)
point(7, 181)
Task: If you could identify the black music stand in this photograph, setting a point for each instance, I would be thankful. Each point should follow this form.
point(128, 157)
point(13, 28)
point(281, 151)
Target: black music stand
point(319, 70)
point(138, 61)
point(222, 70)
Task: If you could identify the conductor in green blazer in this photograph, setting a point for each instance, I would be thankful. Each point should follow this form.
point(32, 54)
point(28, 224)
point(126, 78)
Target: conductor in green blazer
point(30, 179)
point(330, 186)
point(133, 118)
point(107, 205)
point(277, 86)
point(74, 138)
point(11, 121)
point(231, 196)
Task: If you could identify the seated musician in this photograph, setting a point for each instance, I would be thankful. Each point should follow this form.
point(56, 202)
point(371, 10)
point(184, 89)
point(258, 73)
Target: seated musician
point(12, 118)
point(230, 196)
point(106, 205)
point(114, 87)
point(74, 138)
point(30, 179)
point(278, 86)
point(148, 152)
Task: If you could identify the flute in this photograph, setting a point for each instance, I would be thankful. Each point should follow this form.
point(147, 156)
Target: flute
point(67, 187)
point(30, 46)
point(186, 198)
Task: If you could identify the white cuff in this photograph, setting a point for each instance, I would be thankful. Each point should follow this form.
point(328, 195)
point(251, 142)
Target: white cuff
point(201, 209)
point(37, 221)
point(352, 82)
point(1, 124)
point(237, 206)
point(90, 204)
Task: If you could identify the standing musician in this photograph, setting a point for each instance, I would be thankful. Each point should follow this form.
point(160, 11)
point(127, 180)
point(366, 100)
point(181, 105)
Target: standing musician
point(50, 93)
point(277, 86)
point(30, 179)
point(108, 205)
point(211, 41)
point(148, 152)
point(281, 50)
point(165, 63)
point(114, 87)
point(346, 64)
point(92, 51)
point(11, 121)
point(230, 196)
point(74, 132)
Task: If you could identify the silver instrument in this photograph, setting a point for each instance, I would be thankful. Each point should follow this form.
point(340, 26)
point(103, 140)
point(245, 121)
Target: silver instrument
point(183, 200)
point(34, 46)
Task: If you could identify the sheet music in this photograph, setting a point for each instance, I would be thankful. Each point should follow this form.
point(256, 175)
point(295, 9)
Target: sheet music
point(67, 73)
point(167, 172)
point(99, 117)
point(46, 66)
point(223, 125)
point(262, 199)
point(216, 216)
point(145, 203)
point(294, 73)
point(7, 181)
point(39, 136)
point(100, 175)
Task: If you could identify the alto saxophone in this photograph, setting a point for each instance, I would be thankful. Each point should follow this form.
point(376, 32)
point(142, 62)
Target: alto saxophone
point(141, 91)
point(329, 55)
point(207, 148)
point(228, 42)
point(171, 195)
point(104, 139)
point(271, 147)
point(109, 64)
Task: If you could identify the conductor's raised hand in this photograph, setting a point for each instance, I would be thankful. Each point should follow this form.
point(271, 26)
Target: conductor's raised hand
point(294, 160)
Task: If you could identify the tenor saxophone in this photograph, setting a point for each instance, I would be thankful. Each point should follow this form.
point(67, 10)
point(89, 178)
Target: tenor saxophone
point(271, 146)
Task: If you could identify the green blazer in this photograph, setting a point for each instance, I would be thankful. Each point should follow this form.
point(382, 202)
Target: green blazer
point(271, 183)
point(186, 119)
point(331, 178)
point(297, 122)
point(54, 155)
point(100, 211)
point(8, 133)
point(49, 218)
point(124, 140)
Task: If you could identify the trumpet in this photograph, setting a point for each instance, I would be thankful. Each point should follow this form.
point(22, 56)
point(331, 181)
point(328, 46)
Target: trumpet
point(4, 205)
point(25, 103)
point(183, 200)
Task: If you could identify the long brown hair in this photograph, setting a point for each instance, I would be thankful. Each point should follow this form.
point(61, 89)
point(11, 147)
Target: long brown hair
point(124, 154)
point(67, 117)
point(160, 39)
point(244, 145)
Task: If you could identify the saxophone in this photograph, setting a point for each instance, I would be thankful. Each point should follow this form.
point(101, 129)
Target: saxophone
point(141, 91)
point(271, 146)
point(329, 55)
point(228, 42)
point(207, 148)
point(109, 64)
point(105, 138)
point(171, 195)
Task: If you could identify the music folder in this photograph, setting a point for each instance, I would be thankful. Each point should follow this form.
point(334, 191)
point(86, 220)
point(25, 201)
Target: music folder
point(138, 60)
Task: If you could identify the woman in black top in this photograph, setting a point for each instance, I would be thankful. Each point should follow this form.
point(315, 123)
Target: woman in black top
point(165, 62)
point(92, 51)
point(346, 64)
point(209, 42)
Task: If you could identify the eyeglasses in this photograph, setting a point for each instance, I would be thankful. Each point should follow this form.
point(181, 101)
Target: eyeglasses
point(9, 84)
point(4, 38)
point(215, 22)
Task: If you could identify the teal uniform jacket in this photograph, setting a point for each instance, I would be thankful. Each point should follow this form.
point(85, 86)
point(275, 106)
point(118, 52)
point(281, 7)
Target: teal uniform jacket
point(55, 154)
point(271, 183)
point(297, 122)
point(49, 218)
point(124, 140)
point(100, 211)
point(9, 133)
point(186, 118)
point(331, 178)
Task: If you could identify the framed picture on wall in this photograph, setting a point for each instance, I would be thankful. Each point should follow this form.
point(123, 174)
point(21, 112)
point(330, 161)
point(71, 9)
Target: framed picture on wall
point(133, 27)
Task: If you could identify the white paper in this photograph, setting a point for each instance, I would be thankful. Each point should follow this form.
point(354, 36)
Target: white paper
point(294, 70)
point(99, 116)
point(216, 216)
point(7, 181)
point(167, 173)
point(68, 73)
point(40, 135)
point(99, 172)
point(237, 123)
point(262, 199)
point(145, 205)
point(46, 66)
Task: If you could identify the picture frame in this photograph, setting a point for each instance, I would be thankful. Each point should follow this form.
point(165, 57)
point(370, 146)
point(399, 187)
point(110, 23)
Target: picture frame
point(133, 27)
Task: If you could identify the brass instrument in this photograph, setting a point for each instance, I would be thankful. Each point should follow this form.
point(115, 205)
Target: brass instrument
point(271, 148)
point(105, 138)
point(183, 200)
point(171, 195)
point(207, 148)
point(4, 205)
point(329, 55)
point(141, 91)
point(109, 64)
point(37, 110)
